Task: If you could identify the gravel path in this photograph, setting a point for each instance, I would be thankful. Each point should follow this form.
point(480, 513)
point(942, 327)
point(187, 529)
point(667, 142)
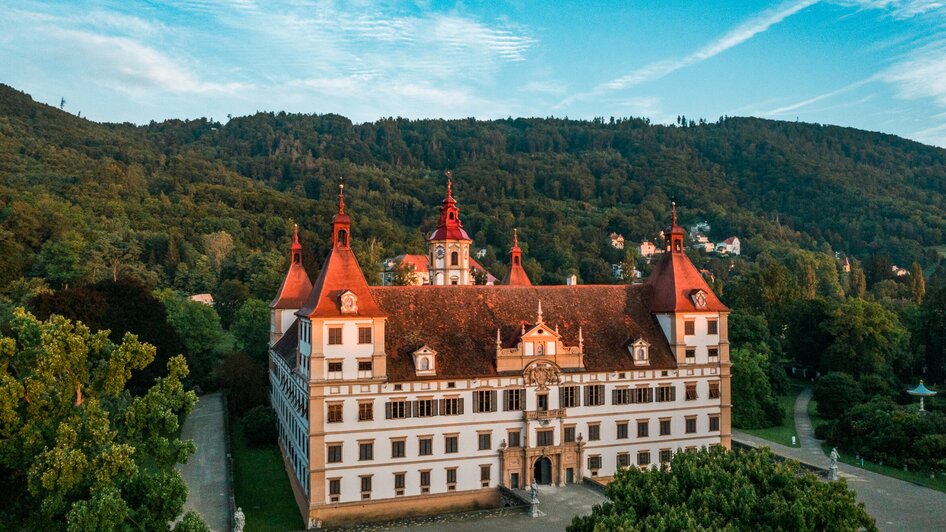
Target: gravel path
point(205, 473)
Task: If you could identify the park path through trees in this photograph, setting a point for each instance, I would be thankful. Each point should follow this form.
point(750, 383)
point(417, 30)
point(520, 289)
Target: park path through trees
point(895, 504)
point(205, 473)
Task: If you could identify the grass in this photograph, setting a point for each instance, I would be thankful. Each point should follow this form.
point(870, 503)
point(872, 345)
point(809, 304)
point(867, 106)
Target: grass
point(937, 483)
point(261, 486)
point(783, 433)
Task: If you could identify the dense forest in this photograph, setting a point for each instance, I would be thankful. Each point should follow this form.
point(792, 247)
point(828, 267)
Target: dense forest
point(115, 225)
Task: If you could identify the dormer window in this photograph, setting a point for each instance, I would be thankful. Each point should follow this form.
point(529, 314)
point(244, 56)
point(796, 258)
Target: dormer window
point(640, 352)
point(349, 302)
point(425, 361)
point(699, 299)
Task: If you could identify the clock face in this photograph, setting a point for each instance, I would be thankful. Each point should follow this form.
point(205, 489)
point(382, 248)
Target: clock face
point(440, 253)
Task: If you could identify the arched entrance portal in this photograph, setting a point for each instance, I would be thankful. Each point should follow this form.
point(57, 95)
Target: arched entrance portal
point(542, 470)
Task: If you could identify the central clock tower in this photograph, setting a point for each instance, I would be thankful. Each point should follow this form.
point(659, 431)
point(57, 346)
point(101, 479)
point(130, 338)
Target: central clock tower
point(449, 245)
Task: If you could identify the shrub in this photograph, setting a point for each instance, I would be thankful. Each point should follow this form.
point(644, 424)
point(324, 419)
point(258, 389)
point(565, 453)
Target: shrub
point(836, 393)
point(259, 426)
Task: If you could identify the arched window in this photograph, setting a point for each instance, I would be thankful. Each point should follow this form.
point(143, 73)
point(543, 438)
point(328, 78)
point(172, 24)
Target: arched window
point(641, 354)
point(342, 238)
point(515, 260)
point(451, 215)
point(454, 258)
point(295, 258)
point(424, 364)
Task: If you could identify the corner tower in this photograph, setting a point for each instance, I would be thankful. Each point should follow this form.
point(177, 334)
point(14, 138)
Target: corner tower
point(292, 293)
point(449, 245)
point(693, 319)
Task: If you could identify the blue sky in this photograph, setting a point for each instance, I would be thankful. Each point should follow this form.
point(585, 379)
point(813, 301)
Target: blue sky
point(871, 64)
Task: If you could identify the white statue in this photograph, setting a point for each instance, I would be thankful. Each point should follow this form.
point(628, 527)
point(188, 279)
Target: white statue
point(833, 465)
point(239, 520)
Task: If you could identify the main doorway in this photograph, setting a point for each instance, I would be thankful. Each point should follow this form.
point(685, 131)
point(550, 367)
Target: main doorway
point(542, 470)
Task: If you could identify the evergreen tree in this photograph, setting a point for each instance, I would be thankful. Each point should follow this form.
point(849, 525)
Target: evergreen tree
point(917, 283)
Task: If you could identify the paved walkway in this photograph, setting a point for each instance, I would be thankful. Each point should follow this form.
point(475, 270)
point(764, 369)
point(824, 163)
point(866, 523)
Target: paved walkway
point(205, 473)
point(558, 506)
point(895, 504)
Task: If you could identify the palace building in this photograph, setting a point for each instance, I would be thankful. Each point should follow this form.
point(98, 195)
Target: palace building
point(396, 401)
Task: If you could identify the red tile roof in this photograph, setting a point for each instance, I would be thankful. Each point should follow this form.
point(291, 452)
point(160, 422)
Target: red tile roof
point(460, 322)
point(296, 286)
point(339, 274)
point(516, 276)
point(674, 280)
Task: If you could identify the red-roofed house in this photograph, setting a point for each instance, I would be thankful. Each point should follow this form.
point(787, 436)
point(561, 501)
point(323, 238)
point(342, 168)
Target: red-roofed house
point(407, 400)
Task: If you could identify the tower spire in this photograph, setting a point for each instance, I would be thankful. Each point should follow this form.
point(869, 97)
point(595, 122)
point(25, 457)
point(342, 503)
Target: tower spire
point(516, 275)
point(341, 198)
point(673, 212)
point(539, 315)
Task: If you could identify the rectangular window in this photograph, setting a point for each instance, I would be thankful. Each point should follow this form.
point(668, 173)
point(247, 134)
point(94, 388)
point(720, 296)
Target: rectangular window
point(714, 389)
point(713, 354)
point(452, 478)
point(714, 423)
point(712, 327)
point(664, 427)
point(335, 413)
point(334, 367)
point(643, 458)
point(485, 441)
point(365, 411)
point(594, 462)
point(397, 410)
point(642, 395)
point(621, 396)
point(666, 393)
point(569, 434)
point(622, 430)
point(334, 453)
point(425, 408)
point(452, 406)
point(544, 438)
point(691, 354)
point(484, 401)
point(665, 456)
point(512, 400)
point(424, 481)
point(398, 449)
point(399, 483)
point(690, 425)
point(425, 446)
point(568, 396)
point(484, 475)
point(594, 395)
point(334, 336)
point(514, 438)
point(594, 432)
point(451, 444)
point(335, 488)
point(689, 327)
point(364, 365)
point(691, 391)
point(366, 487)
point(624, 459)
point(366, 451)
point(542, 402)
point(643, 429)
point(364, 335)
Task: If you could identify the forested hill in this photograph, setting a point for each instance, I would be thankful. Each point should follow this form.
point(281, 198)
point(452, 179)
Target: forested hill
point(190, 203)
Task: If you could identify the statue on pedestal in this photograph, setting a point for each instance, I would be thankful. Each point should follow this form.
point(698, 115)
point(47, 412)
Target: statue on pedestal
point(833, 465)
point(534, 512)
point(239, 520)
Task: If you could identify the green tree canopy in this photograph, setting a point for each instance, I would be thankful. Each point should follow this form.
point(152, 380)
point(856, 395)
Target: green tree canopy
point(251, 328)
point(836, 393)
point(725, 490)
point(754, 404)
point(77, 451)
point(866, 338)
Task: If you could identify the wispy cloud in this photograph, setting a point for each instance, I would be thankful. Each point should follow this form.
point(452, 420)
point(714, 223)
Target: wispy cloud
point(815, 99)
point(897, 8)
point(734, 37)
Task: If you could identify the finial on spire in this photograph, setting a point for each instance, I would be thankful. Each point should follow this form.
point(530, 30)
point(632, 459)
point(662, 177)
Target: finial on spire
point(341, 198)
point(499, 340)
point(295, 233)
point(515, 238)
point(449, 175)
point(539, 316)
point(581, 340)
point(673, 211)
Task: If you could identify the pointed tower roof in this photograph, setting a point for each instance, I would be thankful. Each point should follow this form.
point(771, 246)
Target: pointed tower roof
point(516, 276)
point(341, 289)
point(296, 286)
point(449, 226)
point(676, 285)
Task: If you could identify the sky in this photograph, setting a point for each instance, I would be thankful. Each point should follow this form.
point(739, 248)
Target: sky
point(878, 65)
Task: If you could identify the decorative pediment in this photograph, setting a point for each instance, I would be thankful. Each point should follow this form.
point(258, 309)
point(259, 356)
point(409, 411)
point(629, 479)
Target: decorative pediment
point(640, 352)
point(425, 361)
point(541, 375)
point(348, 302)
point(699, 298)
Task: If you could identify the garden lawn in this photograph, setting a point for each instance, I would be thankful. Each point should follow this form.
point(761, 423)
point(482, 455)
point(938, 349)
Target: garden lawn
point(937, 483)
point(261, 485)
point(783, 433)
